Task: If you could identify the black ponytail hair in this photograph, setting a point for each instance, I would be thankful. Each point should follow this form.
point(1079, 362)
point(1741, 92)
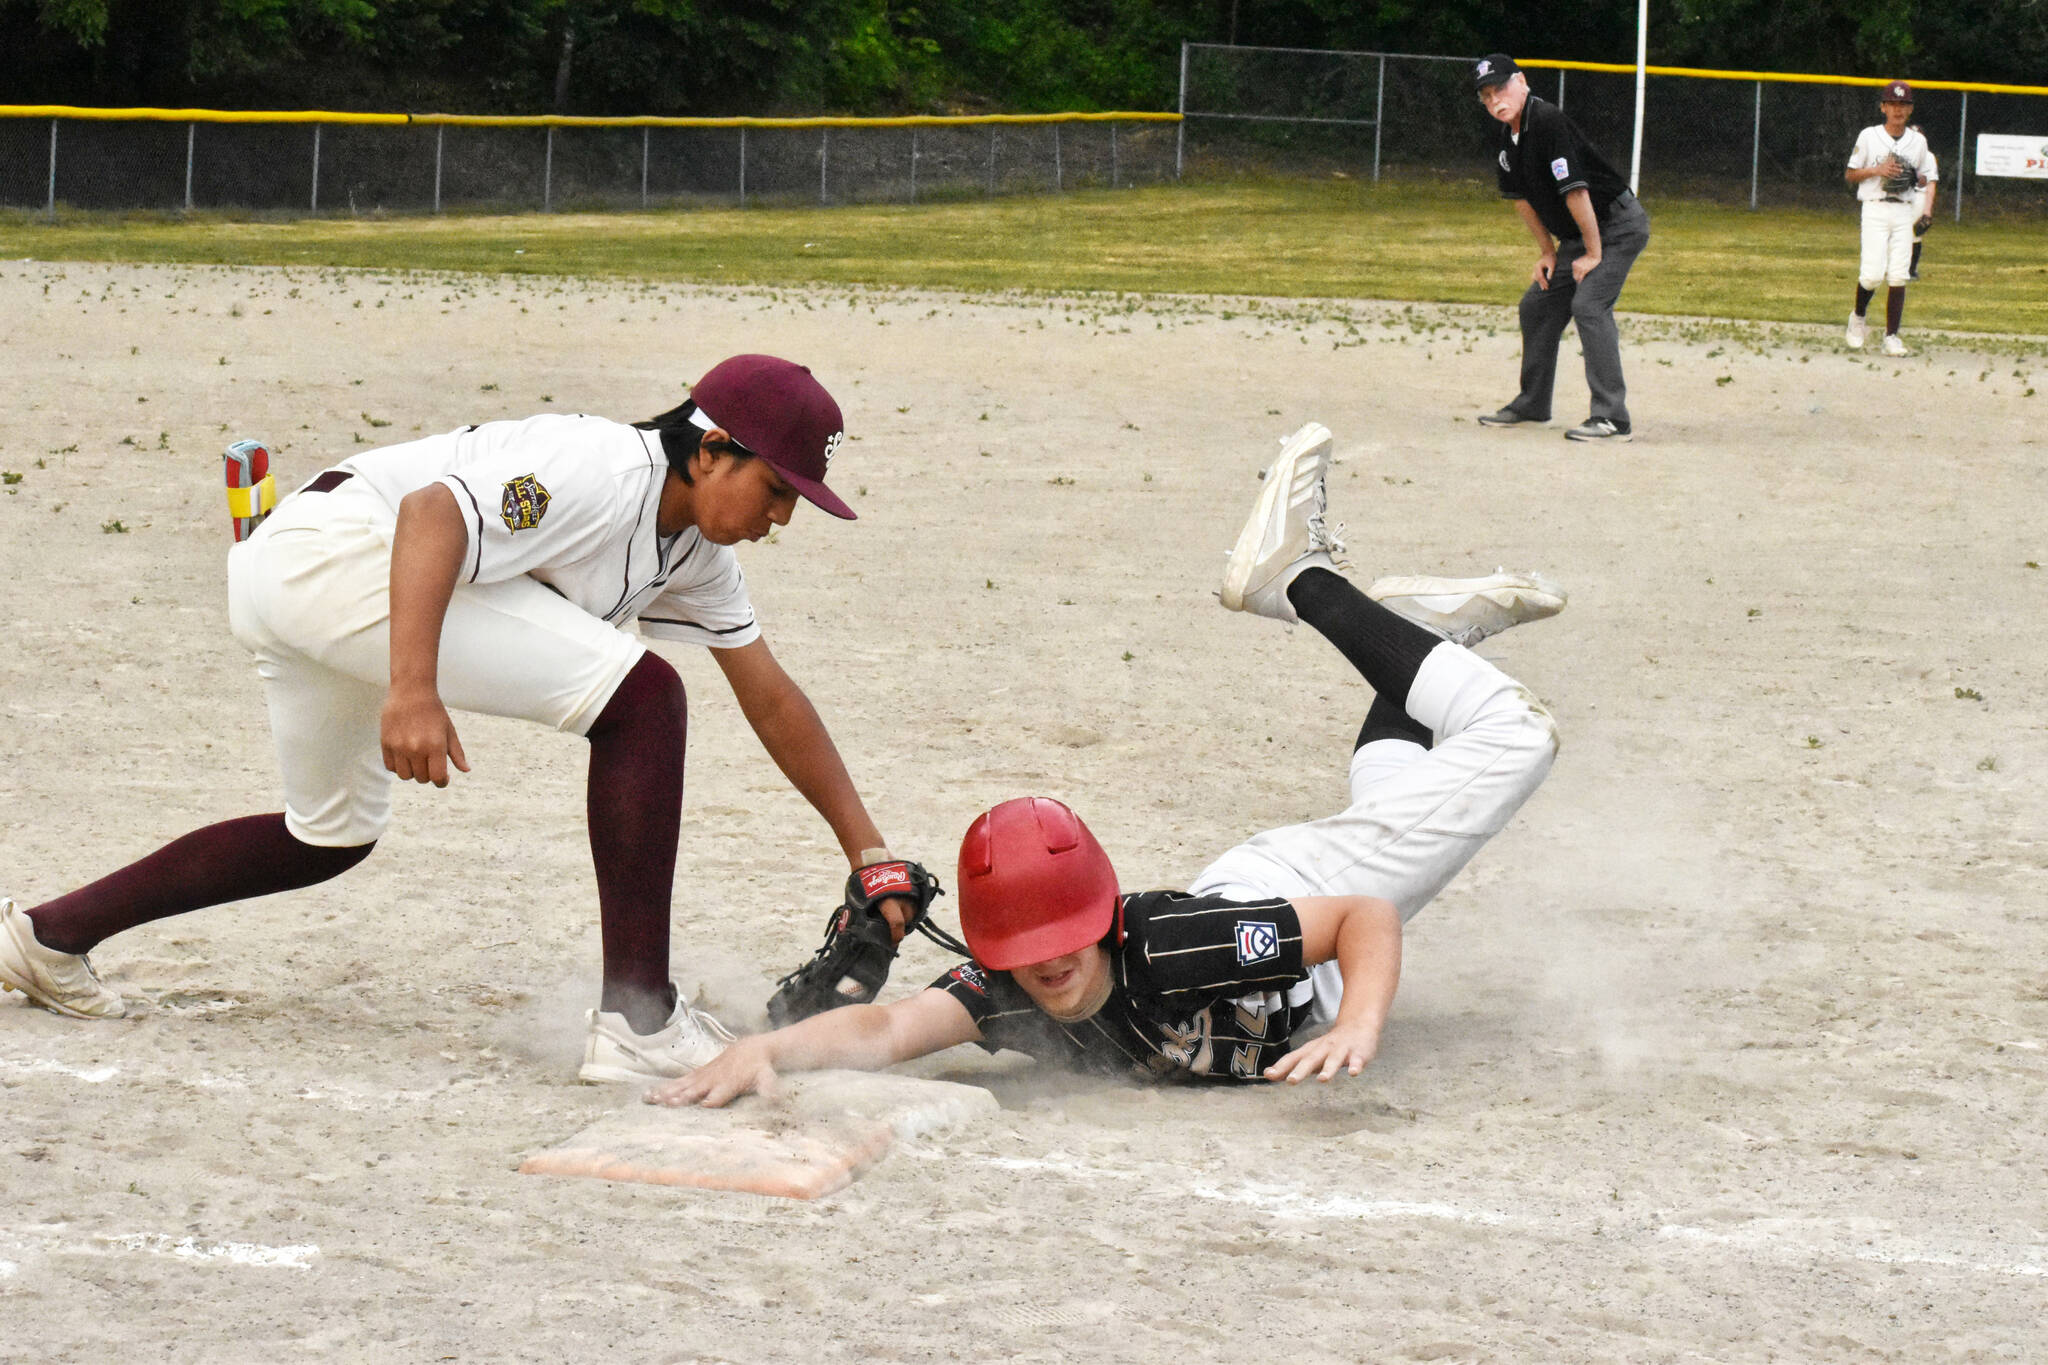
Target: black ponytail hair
point(681, 438)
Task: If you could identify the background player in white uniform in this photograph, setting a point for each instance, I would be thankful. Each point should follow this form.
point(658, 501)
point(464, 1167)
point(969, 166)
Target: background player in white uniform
point(1296, 930)
point(492, 570)
point(1887, 166)
point(1923, 209)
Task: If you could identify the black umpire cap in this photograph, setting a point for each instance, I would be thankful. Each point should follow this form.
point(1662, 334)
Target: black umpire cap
point(1493, 70)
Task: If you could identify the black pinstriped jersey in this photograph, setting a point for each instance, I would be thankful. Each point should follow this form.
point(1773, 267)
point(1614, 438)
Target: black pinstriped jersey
point(1202, 988)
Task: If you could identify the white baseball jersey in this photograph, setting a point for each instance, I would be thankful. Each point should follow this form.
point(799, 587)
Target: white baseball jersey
point(571, 502)
point(1874, 144)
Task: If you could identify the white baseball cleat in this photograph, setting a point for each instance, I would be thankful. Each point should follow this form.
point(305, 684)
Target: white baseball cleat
point(1894, 346)
point(1286, 532)
point(1467, 610)
point(613, 1052)
point(63, 982)
point(1858, 330)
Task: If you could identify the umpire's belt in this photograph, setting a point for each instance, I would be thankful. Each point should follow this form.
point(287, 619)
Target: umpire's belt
point(329, 481)
point(1622, 203)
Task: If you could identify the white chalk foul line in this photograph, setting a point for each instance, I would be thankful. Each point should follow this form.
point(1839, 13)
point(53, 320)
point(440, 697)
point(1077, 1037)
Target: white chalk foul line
point(1781, 1240)
point(50, 1239)
point(93, 1075)
point(1992, 1260)
point(232, 1253)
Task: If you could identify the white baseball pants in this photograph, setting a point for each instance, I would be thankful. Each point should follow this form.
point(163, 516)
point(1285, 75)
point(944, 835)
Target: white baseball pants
point(1887, 243)
point(310, 595)
point(1416, 815)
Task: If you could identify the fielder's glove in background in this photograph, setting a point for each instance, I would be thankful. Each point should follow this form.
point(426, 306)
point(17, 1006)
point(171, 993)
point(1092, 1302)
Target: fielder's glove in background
point(853, 963)
point(1903, 178)
point(1920, 228)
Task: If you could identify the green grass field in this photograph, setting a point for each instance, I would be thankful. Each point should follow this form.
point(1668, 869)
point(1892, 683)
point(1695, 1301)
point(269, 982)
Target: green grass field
point(1449, 243)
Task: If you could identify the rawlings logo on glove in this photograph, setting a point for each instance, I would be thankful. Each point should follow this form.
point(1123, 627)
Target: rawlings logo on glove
point(852, 965)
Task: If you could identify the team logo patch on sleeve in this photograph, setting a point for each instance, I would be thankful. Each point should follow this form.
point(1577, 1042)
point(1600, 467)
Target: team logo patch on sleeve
point(972, 977)
point(1257, 941)
point(524, 504)
point(1559, 169)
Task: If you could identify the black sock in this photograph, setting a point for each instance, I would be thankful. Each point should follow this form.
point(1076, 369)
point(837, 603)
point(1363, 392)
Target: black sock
point(1863, 298)
point(1914, 268)
point(1894, 309)
point(1383, 645)
point(1388, 720)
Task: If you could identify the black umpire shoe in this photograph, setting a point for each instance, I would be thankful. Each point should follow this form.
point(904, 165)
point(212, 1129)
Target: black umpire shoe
point(1508, 417)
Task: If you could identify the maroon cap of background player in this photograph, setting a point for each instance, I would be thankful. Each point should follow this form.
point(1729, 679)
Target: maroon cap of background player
point(1895, 92)
point(777, 410)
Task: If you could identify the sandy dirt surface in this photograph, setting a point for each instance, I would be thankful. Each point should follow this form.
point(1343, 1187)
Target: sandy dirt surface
point(1734, 1046)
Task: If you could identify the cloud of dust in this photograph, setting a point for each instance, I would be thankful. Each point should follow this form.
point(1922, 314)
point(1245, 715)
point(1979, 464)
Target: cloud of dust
point(1637, 917)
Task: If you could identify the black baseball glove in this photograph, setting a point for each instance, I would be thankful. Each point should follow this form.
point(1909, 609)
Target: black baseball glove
point(1903, 178)
point(853, 963)
point(1925, 222)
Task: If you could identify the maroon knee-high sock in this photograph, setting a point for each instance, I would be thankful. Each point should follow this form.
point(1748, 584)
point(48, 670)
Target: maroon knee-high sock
point(231, 861)
point(635, 805)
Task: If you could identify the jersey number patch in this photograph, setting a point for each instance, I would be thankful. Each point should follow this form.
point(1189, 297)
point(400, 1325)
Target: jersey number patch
point(524, 504)
point(1257, 941)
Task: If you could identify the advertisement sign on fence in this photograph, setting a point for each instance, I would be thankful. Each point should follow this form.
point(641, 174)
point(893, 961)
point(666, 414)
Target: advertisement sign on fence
point(2012, 154)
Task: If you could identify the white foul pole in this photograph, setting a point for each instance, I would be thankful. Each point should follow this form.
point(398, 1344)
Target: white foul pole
point(1635, 160)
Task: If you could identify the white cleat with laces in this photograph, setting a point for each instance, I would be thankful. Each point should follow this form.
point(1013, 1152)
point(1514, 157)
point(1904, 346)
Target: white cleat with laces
point(613, 1052)
point(61, 982)
point(1467, 610)
point(1286, 533)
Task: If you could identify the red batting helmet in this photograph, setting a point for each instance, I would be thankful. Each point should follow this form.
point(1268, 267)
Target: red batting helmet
point(1034, 885)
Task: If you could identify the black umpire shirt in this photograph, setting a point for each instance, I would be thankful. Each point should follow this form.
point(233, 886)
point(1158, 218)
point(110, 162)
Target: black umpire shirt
point(1202, 989)
point(1550, 160)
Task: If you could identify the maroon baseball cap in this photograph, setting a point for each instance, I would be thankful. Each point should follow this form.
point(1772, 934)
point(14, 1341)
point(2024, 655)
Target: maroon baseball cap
point(780, 412)
point(1895, 92)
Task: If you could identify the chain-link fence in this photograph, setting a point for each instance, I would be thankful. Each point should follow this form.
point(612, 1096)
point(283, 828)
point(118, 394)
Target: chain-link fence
point(368, 164)
point(1734, 138)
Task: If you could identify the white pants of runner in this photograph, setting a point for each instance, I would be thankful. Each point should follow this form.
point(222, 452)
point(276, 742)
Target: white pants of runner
point(310, 594)
point(1416, 815)
point(1887, 243)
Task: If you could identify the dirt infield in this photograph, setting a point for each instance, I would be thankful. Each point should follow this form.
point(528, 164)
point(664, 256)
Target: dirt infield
point(1734, 1046)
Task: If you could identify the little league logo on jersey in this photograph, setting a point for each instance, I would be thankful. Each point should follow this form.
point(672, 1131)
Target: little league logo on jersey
point(1559, 169)
point(524, 504)
point(1504, 162)
point(885, 879)
point(1257, 941)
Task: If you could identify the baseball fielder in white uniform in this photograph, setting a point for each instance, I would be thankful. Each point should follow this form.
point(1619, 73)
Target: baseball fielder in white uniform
point(493, 569)
point(1280, 961)
point(1888, 166)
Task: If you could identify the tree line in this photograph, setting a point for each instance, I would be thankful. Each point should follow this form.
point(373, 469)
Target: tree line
point(889, 57)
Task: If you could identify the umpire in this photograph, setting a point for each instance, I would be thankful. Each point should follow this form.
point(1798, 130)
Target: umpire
point(1584, 219)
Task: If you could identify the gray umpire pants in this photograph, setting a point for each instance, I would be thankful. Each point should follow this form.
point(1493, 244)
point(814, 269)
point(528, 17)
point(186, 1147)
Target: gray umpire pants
point(1624, 232)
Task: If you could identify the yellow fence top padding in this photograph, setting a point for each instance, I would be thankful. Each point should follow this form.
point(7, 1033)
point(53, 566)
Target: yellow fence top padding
point(195, 115)
point(73, 111)
point(1787, 77)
